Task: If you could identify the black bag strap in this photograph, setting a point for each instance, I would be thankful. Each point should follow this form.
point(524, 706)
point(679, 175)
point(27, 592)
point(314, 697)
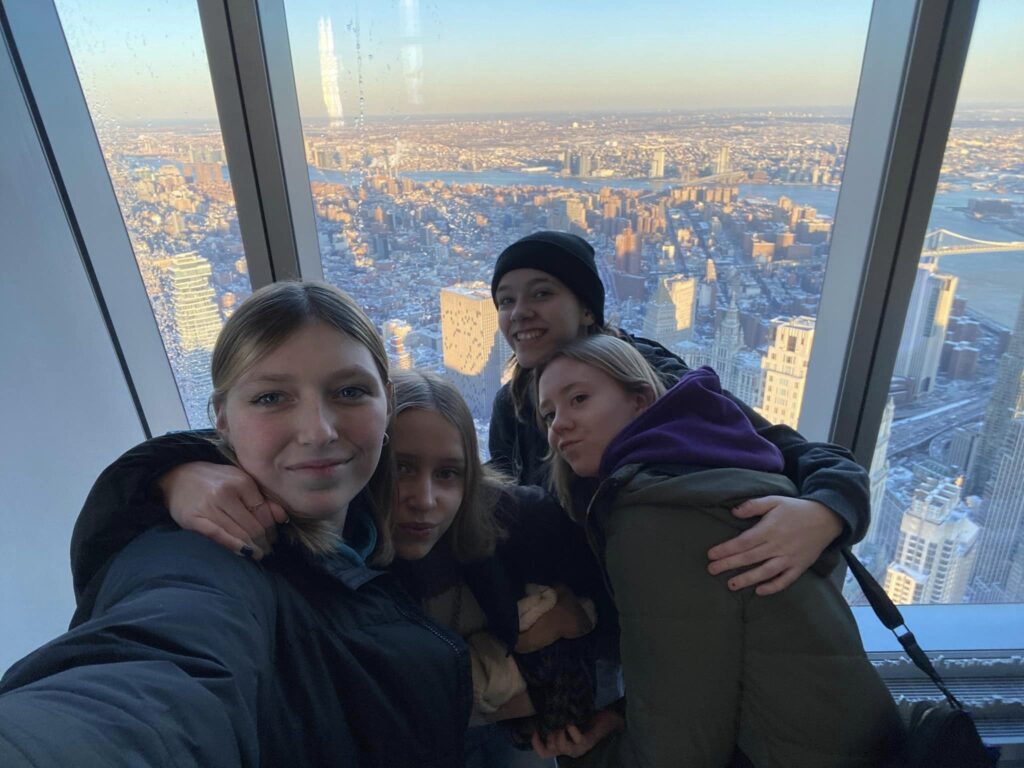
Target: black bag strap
point(890, 616)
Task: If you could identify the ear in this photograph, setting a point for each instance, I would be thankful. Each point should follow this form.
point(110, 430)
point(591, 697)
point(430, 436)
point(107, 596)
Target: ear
point(644, 399)
point(588, 318)
point(221, 421)
point(389, 393)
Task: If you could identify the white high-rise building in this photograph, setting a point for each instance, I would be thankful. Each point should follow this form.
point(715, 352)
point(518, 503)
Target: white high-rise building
point(878, 474)
point(738, 368)
point(936, 549)
point(396, 333)
point(670, 312)
point(195, 313)
point(785, 370)
point(330, 68)
point(924, 331)
point(474, 350)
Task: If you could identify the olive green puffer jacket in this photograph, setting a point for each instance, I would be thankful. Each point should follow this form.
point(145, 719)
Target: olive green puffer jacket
point(708, 671)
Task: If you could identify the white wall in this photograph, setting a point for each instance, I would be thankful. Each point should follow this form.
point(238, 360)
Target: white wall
point(67, 411)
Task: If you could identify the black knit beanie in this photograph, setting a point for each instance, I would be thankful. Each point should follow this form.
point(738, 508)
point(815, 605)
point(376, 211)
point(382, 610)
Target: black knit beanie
point(568, 257)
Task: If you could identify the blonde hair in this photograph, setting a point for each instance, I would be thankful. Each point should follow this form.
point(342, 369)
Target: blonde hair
point(475, 531)
point(261, 324)
point(618, 360)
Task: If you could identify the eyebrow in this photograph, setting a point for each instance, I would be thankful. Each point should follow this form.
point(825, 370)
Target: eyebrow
point(283, 378)
point(562, 391)
point(445, 460)
point(528, 284)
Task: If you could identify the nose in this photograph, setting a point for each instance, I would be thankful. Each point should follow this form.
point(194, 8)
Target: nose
point(418, 492)
point(521, 309)
point(560, 423)
point(316, 424)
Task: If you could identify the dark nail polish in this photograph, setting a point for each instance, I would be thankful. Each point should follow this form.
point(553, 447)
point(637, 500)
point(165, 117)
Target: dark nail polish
point(246, 551)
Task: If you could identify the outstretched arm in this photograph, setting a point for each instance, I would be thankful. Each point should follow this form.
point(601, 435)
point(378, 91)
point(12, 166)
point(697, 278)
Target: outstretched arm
point(181, 477)
point(165, 671)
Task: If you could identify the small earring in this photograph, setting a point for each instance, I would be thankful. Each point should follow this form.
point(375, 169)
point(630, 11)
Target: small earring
point(387, 438)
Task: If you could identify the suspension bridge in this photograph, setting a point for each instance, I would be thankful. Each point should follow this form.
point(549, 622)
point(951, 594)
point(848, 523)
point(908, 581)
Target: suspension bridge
point(943, 242)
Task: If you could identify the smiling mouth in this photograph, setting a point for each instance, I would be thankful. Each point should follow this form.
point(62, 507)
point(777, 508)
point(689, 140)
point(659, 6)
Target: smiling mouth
point(528, 335)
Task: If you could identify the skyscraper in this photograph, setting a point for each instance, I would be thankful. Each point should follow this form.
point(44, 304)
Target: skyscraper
point(722, 162)
point(474, 349)
point(329, 70)
point(924, 332)
point(738, 368)
point(785, 370)
point(877, 474)
point(1006, 400)
point(670, 312)
point(395, 334)
point(1003, 527)
point(657, 169)
point(195, 313)
point(936, 548)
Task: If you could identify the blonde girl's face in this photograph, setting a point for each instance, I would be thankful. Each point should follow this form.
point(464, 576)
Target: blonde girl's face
point(307, 422)
point(584, 409)
point(431, 465)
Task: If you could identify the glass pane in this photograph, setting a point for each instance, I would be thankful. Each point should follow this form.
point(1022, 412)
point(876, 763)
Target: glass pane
point(145, 76)
point(948, 475)
point(437, 134)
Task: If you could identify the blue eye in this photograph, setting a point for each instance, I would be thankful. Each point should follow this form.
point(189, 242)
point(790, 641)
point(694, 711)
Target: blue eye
point(448, 474)
point(268, 398)
point(403, 468)
point(351, 393)
point(547, 418)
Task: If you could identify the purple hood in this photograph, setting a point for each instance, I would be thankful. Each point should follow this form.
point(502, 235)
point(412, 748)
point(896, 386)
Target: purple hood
point(695, 424)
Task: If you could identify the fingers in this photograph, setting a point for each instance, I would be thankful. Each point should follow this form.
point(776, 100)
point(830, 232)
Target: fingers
point(735, 553)
point(767, 570)
point(243, 518)
point(779, 583)
point(218, 535)
point(540, 747)
point(757, 507)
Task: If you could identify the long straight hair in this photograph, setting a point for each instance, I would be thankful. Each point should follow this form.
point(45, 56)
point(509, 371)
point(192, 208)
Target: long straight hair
point(475, 531)
point(263, 322)
point(617, 359)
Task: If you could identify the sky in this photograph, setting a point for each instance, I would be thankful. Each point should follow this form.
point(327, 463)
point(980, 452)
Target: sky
point(145, 61)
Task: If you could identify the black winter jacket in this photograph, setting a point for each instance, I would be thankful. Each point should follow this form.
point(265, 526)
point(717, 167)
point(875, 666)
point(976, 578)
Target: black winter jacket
point(543, 545)
point(188, 655)
point(822, 472)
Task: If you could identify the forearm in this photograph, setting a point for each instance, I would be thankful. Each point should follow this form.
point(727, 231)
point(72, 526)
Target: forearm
point(822, 472)
point(170, 662)
point(828, 474)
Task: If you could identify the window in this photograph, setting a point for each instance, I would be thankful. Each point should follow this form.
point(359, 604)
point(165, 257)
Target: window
point(706, 182)
point(144, 73)
point(948, 471)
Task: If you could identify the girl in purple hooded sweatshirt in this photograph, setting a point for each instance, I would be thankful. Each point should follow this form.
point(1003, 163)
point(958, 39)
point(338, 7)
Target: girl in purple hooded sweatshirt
point(714, 676)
